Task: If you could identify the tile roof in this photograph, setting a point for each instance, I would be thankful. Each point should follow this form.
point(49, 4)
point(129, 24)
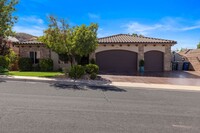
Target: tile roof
point(126, 38)
point(34, 42)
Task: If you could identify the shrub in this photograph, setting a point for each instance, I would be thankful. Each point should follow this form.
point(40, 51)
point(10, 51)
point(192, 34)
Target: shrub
point(4, 62)
point(46, 65)
point(36, 67)
point(25, 64)
point(3, 70)
point(76, 72)
point(13, 59)
point(93, 76)
point(91, 68)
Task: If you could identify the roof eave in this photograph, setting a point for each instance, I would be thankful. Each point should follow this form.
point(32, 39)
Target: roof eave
point(173, 43)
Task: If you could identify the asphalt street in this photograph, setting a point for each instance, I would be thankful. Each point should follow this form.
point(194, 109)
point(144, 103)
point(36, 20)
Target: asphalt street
point(30, 107)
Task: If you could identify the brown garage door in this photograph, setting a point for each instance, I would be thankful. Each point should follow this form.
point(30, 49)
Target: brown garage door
point(117, 62)
point(153, 61)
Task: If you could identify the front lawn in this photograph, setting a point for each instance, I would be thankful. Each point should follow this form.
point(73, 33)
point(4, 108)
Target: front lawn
point(35, 74)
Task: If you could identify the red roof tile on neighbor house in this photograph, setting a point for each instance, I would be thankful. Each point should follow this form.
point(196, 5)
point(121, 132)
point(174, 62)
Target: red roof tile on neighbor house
point(126, 38)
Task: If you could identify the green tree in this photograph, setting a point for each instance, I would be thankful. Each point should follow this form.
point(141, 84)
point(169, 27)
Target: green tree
point(7, 21)
point(85, 39)
point(198, 45)
point(134, 34)
point(70, 41)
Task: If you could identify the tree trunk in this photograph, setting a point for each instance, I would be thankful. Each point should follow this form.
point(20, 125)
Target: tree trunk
point(72, 60)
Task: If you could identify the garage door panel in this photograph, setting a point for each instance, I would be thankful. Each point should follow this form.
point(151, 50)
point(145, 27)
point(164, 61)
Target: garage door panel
point(154, 61)
point(117, 62)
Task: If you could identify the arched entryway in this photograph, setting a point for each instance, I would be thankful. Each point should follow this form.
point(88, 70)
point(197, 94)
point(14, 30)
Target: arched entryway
point(154, 61)
point(117, 62)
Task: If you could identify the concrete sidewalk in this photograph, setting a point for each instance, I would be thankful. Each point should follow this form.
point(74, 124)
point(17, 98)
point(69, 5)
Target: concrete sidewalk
point(156, 86)
point(184, 81)
point(101, 83)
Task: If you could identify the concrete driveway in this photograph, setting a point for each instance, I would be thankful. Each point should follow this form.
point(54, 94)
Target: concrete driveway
point(188, 78)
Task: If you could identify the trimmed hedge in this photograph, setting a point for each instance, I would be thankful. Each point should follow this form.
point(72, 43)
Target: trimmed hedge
point(25, 64)
point(46, 65)
point(91, 68)
point(4, 62)
point(76, 72)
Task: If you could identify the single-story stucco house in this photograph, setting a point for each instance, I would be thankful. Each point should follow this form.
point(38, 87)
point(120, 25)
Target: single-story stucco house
point(121, 54)
point(117, 54)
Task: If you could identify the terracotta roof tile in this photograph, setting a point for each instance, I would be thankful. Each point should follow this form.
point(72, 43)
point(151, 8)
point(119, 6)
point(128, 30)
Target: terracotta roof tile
point(34, 42)
point(125, 38)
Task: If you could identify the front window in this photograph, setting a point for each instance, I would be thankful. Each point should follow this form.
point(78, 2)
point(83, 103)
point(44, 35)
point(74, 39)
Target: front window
point(34, 57)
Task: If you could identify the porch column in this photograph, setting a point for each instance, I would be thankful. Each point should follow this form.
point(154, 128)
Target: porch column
point(167, 58)
point(140, 53)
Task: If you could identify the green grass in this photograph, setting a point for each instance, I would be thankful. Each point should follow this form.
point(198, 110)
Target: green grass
point(35, 74)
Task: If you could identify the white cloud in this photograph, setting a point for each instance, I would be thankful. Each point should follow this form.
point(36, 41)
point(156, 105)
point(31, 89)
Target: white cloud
point(191, 28)
point(32, 19)
point(167, 24)
point(93, 16)
point(136, 27)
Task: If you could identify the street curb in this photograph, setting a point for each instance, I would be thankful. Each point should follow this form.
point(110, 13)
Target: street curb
point(25, 80)
point(101, 83)
point(52, 80)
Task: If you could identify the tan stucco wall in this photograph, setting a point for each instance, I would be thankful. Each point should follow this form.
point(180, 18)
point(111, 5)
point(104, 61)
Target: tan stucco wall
point(157, 48)
point(132, 48)
point(167, 58)
point(24, 51)
point(56, 64)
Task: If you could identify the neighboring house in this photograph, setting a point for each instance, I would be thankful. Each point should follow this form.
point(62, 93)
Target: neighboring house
point(118, 54)
point(176, 57)
point(192, 56)
point(178, 61)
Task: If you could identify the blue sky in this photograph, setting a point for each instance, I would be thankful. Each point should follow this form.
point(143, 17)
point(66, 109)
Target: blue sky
point(168, 19)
